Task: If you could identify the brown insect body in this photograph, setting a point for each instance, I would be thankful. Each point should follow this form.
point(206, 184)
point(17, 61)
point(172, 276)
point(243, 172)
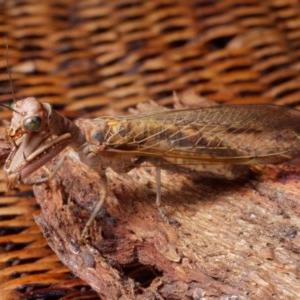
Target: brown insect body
point(239, 134)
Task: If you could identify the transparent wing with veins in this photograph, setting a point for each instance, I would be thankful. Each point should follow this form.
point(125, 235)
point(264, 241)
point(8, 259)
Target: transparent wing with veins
point(240, 134)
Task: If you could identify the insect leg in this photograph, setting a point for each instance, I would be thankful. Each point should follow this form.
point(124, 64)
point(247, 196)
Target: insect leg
point(162, 214)
point(96, 209)
point(50, 175)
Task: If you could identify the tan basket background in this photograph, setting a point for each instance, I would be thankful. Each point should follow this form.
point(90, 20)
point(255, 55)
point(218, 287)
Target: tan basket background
point(89, 57)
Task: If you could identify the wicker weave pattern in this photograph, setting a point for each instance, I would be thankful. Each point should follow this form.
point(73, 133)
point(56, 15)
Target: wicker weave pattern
point(99, 54)
point(91, 56)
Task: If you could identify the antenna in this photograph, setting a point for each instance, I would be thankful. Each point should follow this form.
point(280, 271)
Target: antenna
point(10, 79)
point(8, 69)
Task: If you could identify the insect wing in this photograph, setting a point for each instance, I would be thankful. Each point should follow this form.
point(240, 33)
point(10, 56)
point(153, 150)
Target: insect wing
point(238, 134)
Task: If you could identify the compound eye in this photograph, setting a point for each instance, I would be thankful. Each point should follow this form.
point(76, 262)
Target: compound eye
point(32, 124)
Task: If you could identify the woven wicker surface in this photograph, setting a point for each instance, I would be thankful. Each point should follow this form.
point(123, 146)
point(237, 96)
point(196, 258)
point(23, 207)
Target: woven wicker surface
point(91, 57)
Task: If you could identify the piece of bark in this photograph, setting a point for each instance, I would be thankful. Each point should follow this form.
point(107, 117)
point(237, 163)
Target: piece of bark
point(235, 239)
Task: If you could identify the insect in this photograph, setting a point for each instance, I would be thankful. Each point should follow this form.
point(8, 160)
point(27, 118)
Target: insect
point(237, 134)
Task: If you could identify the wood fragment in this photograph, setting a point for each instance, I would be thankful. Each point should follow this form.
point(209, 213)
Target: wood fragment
point(236, 238)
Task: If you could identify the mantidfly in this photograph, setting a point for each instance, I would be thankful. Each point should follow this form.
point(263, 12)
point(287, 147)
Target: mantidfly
point(172, 139)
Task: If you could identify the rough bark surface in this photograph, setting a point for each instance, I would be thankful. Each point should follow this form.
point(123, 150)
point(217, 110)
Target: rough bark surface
point(235, 238)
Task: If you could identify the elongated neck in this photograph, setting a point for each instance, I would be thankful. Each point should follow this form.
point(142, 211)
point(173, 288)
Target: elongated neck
point(58, 125)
